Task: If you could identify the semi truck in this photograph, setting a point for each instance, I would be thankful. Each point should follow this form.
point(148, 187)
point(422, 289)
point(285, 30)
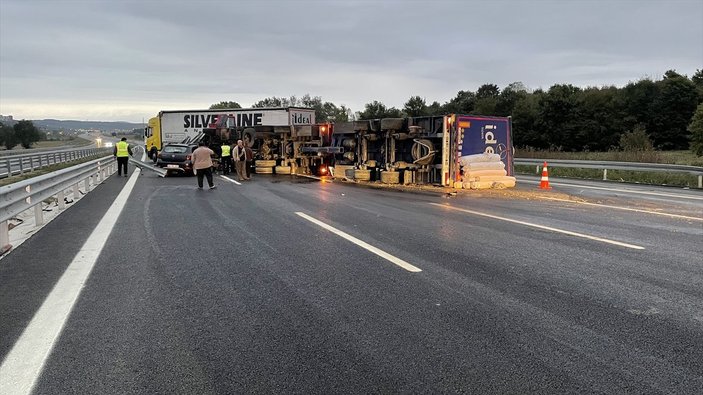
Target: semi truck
point(216, 126)
point(454, 150)
point(460, 151)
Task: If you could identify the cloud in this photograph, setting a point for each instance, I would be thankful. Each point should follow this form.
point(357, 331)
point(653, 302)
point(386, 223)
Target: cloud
point(129, 59)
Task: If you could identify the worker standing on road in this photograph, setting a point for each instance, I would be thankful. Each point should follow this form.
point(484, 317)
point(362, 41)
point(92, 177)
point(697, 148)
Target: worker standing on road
point(249, 154)
point(122, 151)
point(202, 163)
point(240, 160)
point(226, 157)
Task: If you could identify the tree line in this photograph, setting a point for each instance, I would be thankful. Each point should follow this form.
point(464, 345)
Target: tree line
point(23, 132)
point(656, 113)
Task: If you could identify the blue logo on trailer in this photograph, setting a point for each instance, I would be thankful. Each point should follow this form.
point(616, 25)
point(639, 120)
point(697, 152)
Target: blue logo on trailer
point(478, 135)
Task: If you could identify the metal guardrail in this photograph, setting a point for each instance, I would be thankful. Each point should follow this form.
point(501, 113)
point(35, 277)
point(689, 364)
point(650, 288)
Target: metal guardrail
point(11, 165)
point(606, 165)
point(25, 195)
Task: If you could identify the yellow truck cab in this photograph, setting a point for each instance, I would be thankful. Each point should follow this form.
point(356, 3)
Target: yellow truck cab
point(152, 138)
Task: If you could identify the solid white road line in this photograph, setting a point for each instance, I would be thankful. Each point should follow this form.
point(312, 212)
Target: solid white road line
point(23, 364)
point(405, 265)
point(626, 209)
point(549, 228)
point(619, 190)
point(231, 180)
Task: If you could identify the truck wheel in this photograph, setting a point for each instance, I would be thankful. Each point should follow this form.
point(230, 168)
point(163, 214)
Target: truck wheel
point(153, 154)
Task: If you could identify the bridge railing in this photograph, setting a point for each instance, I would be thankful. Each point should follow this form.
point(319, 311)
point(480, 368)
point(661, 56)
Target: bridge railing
point(11, 165)
point(610, 165)
point(29, 194)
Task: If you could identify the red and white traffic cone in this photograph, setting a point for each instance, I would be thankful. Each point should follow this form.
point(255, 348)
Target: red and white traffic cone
point(544, 182)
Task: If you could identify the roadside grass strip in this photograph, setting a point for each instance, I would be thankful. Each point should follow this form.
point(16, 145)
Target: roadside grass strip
point(23, 365)
point(231, 180)
point(548, 228)
point(618, 190)
point(626, 209)
point(393, 259)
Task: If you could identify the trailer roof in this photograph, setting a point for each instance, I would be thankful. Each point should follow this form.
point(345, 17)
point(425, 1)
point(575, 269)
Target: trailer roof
point(238, 109)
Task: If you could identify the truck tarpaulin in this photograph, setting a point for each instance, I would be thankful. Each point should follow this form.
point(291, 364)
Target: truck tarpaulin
point(485, 135)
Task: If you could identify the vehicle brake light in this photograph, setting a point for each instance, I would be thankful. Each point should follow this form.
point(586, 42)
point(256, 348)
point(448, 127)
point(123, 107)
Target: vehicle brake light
point(323, 170)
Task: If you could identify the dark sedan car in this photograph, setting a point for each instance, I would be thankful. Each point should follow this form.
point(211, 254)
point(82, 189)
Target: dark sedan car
point(176, 158)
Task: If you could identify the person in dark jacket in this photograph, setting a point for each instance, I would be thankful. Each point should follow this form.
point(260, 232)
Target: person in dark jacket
point(249, 155)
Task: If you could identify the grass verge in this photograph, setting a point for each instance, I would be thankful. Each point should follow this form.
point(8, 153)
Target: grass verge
point(637, 177)
point(45, 170)
point(666, 157)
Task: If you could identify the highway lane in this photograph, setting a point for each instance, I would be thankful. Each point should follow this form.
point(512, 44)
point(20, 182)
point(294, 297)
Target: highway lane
point(230, 290)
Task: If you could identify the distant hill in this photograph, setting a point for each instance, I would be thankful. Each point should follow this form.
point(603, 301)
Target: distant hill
point(55, 124)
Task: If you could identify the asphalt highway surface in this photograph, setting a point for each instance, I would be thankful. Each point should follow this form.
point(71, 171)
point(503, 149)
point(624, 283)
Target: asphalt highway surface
point(291, 285)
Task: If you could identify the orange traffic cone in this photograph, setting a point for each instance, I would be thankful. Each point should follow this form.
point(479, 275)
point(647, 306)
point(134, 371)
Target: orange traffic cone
point(544, 182)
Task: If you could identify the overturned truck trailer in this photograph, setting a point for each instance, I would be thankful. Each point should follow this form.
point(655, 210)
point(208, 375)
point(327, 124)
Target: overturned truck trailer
point(460, 151)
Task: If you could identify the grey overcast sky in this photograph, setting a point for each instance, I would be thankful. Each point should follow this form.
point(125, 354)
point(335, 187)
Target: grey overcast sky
point(126, 60)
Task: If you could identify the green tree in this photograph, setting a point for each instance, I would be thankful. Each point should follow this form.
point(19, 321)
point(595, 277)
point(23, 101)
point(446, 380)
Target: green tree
point(487, 99)
point(224, 105)
point(435, 108)
point(331, 113)
point(378, 110)
point(4, 130)
point(636, 140)
point(673, 110)
point(463, 103)
point(487, 90)
point(696, 129)
point(697, 80)
point(274, 101)
point(508, 98)
point(415, 107)
point(637, 100)
point(525, 117)
point(26, 133)
point(559, 117)
point(600, 119)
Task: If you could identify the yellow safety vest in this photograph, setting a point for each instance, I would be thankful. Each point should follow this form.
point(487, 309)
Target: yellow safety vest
point(226, 150)
point(122, 149)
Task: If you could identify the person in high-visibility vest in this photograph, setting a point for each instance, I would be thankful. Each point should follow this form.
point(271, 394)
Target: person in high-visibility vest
point(122, 151)
point(226, 157)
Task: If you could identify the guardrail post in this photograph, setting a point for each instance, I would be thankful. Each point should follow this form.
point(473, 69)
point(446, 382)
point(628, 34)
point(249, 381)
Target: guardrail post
point(76, 191)
point(4, 234)
point(9, 168)
point(21, 166)
point(38, 215)
point(60, 200)
point(39, 161)
point(700, 181)
point(87, 185)
point(537, 169)
point(605, 174)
